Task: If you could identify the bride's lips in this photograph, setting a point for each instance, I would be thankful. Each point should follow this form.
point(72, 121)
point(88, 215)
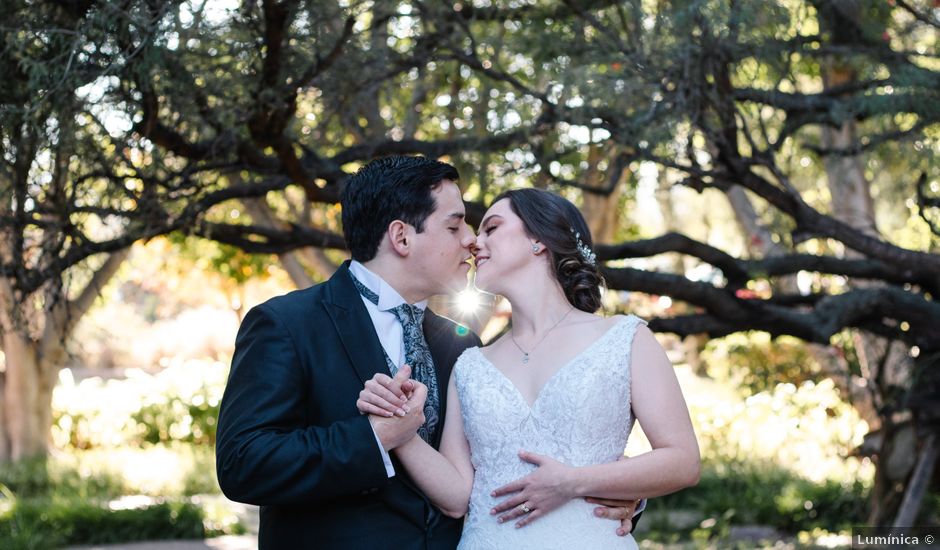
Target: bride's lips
point(480, 260)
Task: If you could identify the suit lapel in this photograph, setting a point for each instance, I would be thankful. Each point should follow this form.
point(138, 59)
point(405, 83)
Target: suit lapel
point(354, 326)
point(357, 333)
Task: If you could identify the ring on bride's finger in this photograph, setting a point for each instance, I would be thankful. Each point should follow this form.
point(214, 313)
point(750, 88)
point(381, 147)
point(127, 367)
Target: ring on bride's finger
point(525, 508)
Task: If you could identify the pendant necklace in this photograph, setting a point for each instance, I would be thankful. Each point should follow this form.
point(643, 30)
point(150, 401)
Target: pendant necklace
point(525, 354)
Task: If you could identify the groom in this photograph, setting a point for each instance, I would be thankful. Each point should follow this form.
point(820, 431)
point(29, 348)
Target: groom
point(290, 438)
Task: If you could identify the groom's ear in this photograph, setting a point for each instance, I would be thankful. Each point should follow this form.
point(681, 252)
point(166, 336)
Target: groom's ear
point(399, 237)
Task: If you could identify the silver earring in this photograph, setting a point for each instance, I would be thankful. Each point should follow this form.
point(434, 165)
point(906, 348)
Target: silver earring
point(535, 249)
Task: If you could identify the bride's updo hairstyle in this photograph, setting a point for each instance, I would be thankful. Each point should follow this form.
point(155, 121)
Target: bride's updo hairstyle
point(558, 225)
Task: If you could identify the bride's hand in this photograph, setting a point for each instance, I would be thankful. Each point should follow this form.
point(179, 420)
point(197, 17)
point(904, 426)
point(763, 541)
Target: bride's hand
point(540, 492)
point(387, 396)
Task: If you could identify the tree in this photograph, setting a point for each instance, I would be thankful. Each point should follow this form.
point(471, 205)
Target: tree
point(728, 108)
point(175, 110)
point(125, 121)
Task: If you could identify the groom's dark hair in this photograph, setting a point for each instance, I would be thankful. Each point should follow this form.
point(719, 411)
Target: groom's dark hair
point(388, 189)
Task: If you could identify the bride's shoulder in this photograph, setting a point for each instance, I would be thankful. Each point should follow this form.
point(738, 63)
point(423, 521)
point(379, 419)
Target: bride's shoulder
point(468, 353)
point(634, 324)
point(467, 363)
point(626, 328)
point(630, 317)
point(604, 323)
point(469, 356)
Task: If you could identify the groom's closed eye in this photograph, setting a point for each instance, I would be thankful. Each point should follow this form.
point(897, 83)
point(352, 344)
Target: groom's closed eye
point(456, 217)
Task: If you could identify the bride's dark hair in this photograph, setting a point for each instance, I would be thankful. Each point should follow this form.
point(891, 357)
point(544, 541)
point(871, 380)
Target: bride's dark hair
point(559, 226)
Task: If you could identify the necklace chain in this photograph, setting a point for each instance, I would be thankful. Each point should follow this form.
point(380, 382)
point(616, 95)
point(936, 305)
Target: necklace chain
point(525, 354)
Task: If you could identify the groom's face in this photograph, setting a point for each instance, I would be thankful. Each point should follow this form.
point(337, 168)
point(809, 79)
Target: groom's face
point(441, 253)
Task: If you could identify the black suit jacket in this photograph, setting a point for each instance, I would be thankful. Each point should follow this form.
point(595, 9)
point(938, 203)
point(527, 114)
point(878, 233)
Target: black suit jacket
point(291, 440)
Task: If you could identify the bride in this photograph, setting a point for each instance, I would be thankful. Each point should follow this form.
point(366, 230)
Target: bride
point(537, 420)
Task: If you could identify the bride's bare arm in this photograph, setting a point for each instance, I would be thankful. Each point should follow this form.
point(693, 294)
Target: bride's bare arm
point(658, 404)
point(672, 464)
point(446, 477)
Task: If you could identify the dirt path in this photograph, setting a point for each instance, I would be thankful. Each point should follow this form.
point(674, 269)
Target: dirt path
point(242, 542)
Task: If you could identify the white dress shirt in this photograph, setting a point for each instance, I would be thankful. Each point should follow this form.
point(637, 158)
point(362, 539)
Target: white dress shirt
point(387, 326)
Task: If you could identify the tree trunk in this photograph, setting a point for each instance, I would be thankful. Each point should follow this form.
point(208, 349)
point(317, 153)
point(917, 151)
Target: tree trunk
point(920, 480)
point(34, 353)
point(884, 363)
point(600, 211)
point(23, 395)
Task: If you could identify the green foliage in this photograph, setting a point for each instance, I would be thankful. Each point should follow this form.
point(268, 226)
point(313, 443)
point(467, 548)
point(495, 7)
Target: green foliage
point(174, 418)
point(52, 503)
point(930, 510)
point(177, 470)
point(762, 493)
point(806, 429)
point(48, 523)
point(44, 477)
point(179, 404)
point(228, 261)
point(754, 362)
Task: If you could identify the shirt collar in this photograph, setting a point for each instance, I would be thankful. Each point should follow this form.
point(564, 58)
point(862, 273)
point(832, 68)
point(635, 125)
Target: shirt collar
point(388, 296)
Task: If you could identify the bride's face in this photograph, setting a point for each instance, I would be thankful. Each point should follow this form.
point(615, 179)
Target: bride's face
point(503, 247)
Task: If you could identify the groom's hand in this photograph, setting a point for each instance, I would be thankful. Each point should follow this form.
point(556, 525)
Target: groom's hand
point(620, 510)
point(387, 396)
point(394, 431)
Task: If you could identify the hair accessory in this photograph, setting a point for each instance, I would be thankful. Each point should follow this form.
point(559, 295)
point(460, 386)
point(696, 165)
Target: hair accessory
point(585, 250)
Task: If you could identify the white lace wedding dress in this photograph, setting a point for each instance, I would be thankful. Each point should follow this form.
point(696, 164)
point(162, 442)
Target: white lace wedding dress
point(582, 416)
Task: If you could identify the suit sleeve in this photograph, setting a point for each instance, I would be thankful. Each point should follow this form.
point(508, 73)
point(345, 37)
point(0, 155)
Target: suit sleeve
point(641, 507)
point(266, 453)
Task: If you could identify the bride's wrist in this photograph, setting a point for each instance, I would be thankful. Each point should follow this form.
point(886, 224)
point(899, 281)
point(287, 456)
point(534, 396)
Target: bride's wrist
point(571, 483)
point(410, 444)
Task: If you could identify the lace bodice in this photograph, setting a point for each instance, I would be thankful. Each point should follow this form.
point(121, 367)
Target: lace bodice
point(581, 416)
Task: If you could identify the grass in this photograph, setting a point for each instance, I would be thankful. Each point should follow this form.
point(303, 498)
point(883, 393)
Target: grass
point(78, 499)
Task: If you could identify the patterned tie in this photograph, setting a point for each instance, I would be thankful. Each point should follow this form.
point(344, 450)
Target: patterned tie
point(417, 355)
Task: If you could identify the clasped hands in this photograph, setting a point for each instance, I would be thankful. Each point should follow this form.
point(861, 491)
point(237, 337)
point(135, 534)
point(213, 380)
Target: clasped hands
point(395, 405)
point(401, 412)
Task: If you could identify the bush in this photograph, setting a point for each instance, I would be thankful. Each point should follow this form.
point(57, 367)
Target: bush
point(45, 478)
point(71, 500)
point(761, 493)
point(754, 362)
point(180, 404)
point(50, 523)
point(176, 419)
point(173, 470)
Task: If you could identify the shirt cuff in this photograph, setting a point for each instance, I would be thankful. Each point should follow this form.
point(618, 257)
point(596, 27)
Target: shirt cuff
point(639, 507)
point(387, 460)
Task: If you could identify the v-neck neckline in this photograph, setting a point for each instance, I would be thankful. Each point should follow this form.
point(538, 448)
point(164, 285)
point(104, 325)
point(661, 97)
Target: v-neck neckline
point(538, 395)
